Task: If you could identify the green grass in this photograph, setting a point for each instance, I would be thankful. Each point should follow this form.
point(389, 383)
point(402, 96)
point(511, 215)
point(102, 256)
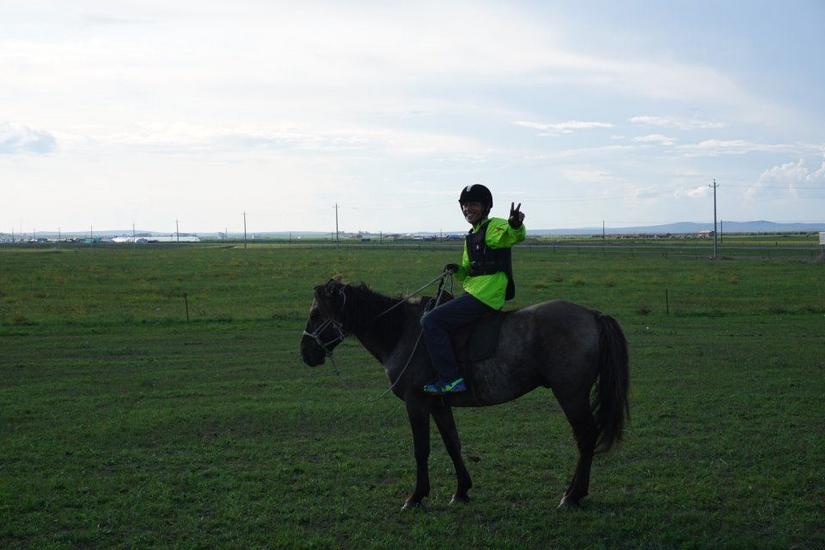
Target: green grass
point(123, 425)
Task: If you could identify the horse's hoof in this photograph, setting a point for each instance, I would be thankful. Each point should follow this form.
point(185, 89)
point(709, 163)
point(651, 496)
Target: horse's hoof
point(414, 506)
point(461, 499)
point(567, 503)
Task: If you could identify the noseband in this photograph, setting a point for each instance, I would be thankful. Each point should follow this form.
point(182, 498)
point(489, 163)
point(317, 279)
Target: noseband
point(329, 345)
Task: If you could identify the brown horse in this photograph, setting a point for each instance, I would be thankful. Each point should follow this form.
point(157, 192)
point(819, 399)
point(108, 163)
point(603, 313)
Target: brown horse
point(559, 345)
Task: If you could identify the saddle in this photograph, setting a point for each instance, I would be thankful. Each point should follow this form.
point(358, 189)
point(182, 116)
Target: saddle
point(476, 341)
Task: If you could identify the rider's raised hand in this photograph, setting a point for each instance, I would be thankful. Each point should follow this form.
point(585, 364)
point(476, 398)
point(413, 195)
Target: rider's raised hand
point(451, 268)
point(516, 216)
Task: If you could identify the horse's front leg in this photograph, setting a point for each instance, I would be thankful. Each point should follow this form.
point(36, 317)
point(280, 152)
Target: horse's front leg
point(449, 434)
point(418, 411)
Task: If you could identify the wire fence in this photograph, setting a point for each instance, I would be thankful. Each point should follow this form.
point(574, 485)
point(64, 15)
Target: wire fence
point(678, 248)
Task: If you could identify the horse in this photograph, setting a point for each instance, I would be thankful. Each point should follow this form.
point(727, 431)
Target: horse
point(573, 350)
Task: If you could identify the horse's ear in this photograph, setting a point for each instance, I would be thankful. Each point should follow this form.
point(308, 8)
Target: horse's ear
point(338, 278)
point(331, 288)
point(319, 290)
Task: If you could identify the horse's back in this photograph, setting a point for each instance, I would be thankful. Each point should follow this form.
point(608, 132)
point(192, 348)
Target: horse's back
point(553, 344)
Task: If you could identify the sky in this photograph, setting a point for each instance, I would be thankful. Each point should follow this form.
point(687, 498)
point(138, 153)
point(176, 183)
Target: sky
point(146, 112)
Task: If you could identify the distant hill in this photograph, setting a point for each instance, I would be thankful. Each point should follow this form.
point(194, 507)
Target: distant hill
point(760, 226)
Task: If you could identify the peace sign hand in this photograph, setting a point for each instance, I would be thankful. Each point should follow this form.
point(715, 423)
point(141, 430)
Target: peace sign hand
point(516, 216)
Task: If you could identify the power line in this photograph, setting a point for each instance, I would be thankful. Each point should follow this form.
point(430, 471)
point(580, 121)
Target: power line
point(715, 232)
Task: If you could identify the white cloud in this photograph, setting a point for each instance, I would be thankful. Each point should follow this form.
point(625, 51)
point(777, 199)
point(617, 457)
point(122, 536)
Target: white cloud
point(788, 177)
point(551, 129)
point(697, 192)
point(588, 175)
point(181, 137)
point(15, 139)
point(676, 122)
point(655, 138)
point(717, 147)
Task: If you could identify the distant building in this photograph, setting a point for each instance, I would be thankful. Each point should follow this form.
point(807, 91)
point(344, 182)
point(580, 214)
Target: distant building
point(158, 239)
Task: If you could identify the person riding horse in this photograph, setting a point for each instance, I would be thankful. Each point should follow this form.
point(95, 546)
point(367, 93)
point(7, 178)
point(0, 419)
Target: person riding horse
point(487, 275)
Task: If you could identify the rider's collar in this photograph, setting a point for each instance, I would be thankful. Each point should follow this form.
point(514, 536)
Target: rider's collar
point(481, 222)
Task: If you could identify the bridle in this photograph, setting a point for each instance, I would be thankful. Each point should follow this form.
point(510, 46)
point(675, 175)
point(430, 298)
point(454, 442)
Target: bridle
point(340, 335)
point(328, 345)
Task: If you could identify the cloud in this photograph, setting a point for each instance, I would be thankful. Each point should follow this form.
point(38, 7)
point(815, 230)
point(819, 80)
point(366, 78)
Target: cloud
point(676, 122)
point(587, 175)
point(561, 127)
point(300, 139)
point(17, 139)
point(789, 177)
point(693, 192)
point(717, 147)
point(655, 138)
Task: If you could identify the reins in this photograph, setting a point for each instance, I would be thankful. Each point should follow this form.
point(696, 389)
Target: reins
point(329, 346)
point(437, 301)
point(440, 277)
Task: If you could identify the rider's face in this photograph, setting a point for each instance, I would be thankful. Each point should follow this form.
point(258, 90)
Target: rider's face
point(473, 211)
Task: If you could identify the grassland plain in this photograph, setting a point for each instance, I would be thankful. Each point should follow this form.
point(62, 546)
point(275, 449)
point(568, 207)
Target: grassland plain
point(122, 424)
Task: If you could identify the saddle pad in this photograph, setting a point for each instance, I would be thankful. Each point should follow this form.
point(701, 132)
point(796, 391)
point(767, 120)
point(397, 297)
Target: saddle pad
point(479, 340)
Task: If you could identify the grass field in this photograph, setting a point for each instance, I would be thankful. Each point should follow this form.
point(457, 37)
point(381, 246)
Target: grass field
point(122, 424)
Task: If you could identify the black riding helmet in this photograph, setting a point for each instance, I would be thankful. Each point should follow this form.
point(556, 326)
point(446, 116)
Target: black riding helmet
point(476, 193)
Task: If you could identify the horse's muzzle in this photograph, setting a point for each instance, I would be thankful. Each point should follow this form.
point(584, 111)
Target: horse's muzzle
point(312, 354)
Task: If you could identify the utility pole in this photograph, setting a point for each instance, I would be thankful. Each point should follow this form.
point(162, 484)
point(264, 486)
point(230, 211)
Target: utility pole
point(177, 231)
point(715, 233)
point(133, 231)
point(58, 234)
point(602, 230)
point(244, 230)
point(337, 240)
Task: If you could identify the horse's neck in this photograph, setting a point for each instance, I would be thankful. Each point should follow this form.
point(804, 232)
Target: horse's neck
point(382, 332)
point(379, 349)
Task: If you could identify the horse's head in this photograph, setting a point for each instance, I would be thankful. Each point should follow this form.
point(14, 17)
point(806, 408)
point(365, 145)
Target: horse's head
point(325, 326)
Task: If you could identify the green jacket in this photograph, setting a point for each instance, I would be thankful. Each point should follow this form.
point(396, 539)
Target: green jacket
point(490, 289)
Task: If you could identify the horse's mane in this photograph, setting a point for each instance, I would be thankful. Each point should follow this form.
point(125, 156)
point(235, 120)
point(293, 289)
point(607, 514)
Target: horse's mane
point(362, 310)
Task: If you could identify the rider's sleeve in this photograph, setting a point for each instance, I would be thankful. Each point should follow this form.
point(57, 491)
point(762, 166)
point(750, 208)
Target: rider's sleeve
point(501, 235)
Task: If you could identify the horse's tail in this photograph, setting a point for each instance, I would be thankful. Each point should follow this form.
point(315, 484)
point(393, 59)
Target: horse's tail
point(610, 405)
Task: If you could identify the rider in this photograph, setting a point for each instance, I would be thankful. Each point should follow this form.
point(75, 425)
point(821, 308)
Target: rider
point(487, 275)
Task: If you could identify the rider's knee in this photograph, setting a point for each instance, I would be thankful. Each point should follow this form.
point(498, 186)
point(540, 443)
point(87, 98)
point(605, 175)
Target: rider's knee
point(425, 320)
point(430, 320)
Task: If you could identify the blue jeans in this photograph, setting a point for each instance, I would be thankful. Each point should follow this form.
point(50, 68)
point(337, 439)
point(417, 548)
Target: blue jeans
point(438, 324)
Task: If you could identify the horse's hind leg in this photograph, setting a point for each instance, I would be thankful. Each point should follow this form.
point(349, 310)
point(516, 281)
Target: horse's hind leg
point(443, 416)
point(577, 409)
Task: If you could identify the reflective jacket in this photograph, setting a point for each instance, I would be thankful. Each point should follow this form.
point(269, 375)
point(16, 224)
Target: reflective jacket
point(491, 288)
